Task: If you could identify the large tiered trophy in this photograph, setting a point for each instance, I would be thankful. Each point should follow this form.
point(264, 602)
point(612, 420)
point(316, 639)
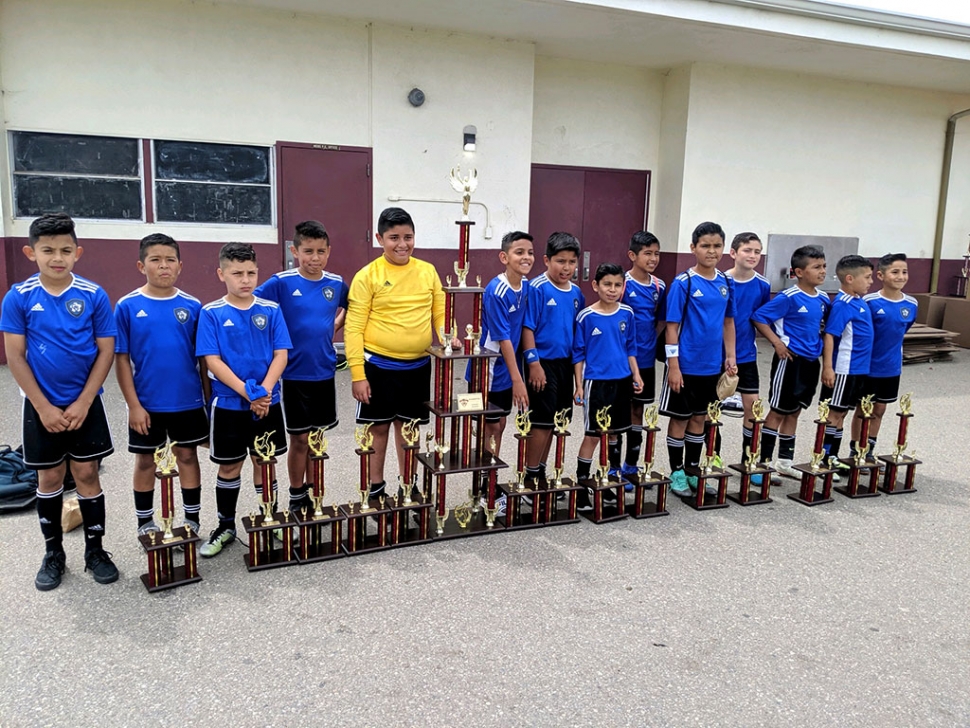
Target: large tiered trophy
point(899, 460)
point(314, 519)
point(460, 450)
point(707, 470)
point(609, 492)
point(817, 467)
point(410, 508)
point(160, 545)
point(859, 464)
point(263, 529)
point(646, 477)
point(359, 512)
point(752, 464)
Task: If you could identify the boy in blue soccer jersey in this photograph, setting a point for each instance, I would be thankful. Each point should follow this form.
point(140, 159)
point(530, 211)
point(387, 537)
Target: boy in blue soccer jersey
point(605, 361)
point(245, 342)
point(58, 332)
point(750, 291)
point(314, 304)
point(700, 326)
point(792, 323)
point(158, 374)
point(552, 305)
point(645, 294)
point(893, 313)
point(503, 311)
point(847, 348)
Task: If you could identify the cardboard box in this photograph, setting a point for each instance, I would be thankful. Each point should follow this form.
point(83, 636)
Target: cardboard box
point(931, 309)
point(957, 318)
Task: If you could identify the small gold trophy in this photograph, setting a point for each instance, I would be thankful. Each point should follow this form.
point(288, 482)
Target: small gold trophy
point(365, 439)
point(265, 450)
point(463, 514)
point(441, 522)
point(865, 406)
point(317, 442)
point(492, 447)
point(429, 442)
point(441, 449)
point(603, 420)
point(165, 465)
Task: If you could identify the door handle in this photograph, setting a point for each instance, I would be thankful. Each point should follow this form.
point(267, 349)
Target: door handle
point(586, 266)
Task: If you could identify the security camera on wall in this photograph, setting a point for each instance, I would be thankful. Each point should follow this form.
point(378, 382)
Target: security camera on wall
point(416, 97)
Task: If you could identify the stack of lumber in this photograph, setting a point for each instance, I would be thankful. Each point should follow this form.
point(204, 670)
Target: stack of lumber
point(923, 343)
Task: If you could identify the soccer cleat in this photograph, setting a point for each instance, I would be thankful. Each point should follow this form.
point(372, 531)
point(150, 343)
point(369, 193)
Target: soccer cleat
point(629, 471)
point(99, 562)
point(717, 462)
point(609, 498)
point(692, 482)
point(150, 527)
point(678, 483)
point(756, 479)
point(218, 540)
point(51, 570)
point(191, 526)
point(584, 500)
point(784, 467)
point(376, 490)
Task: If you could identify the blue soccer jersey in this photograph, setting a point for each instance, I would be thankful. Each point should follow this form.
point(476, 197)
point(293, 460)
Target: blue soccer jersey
point(550, 313)
point(158, 335)
point(605, 341)
point(749, 296)
point(797, 319)
point(60, 331)
point(503, 311)
point(309, 309)
point(701, 313)
point(245, 340)
point(850, 323)
point(890, 322)
point(646, 300)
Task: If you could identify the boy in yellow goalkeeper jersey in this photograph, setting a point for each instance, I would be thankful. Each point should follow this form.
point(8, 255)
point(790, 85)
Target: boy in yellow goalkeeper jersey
point(396, 302)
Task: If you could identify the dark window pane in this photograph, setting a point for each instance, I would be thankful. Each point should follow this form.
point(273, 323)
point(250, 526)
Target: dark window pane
point(105, 199)
point(189, 202)
point(71, 154)
point(211, 162)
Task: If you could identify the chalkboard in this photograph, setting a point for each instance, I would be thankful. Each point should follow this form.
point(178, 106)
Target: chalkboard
point(202, 162)
point(221, 203)
point(98, 198)
point(75, 154)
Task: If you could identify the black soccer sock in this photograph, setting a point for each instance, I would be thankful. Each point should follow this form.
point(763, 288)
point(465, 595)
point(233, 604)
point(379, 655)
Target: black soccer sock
point(693, 445)
point(828, 441)
point(746, 434)
point(833, 441)
point(634, 440)
point(872, 445)
point(49, 507)
point(192, 504)
point(227, 495)
point(583, 466)
point(616, 452)
point(542, 470)
point(532, 474)
point(298, 496)
point(144, 506)
point(786, 447)
point(675, 452)
point(377, 489)
point(768, 439)
point(92, 514)
point(853, 448)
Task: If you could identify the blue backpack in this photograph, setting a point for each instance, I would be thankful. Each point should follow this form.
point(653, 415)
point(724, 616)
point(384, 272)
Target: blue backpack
point(18, 484)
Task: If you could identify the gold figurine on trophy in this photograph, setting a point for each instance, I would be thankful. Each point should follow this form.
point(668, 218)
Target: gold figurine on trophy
point(165, 458)
point(758, 410)
point(465, 186)
point(906, 404)
point(264, 446)
point(363, 436)
point(823, 410)
point(560, 421)
point(603, 419)
point(411, 432)
point(463, 514)
point(523, 422)
point(714, 412)
point(317, 442)
point(651, 416)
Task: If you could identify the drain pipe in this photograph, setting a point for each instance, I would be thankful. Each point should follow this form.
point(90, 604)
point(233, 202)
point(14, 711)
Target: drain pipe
point(951, 127)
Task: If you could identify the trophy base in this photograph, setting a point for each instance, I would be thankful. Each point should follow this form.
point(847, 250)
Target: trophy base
point(702, 500)
point(890, 482)
point(162, 571)
point(410, 523)
point(358, 540)
point(263, 553)
point(807, 495)
point(853, 489)
point(641, 508)
point(744, 496)
point(523, 508)
point(611, 508)
point(313, 546)
point(477, 526)
point(556, 512)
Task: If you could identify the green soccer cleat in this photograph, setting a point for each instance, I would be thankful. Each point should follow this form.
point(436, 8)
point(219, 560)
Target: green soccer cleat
point(679, 484)
point(218, 540)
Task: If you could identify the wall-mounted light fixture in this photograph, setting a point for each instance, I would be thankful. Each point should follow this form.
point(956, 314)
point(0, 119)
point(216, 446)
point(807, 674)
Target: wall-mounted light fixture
point(468, 135)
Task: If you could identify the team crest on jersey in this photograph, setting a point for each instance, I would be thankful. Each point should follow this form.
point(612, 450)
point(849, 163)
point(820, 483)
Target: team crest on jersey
point(576, 304)
point(328, 293)
point(260, 320)
point(723, 290)
point(622, 326)
point(656, 295)
point(181, 315)
point(75, 307)
point(904, 313)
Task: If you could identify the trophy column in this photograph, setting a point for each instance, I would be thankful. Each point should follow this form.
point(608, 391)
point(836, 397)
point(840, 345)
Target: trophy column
point(558, 497)
point(313, 520)
point(609, 493)
point(898, 460)
point(522, 500)
point(262, 529)
point(646, 477)
point(816, 468)
point(706, 470)
point(163, 573)
point(860, 464)
point(358, 514)
point(410, 509)
point(753, 465)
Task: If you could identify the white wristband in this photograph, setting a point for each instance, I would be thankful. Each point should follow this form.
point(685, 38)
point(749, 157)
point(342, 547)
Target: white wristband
point(672, 351)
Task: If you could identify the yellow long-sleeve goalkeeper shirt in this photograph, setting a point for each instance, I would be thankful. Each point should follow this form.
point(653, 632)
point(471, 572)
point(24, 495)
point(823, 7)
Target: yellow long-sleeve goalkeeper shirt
point(391, 311)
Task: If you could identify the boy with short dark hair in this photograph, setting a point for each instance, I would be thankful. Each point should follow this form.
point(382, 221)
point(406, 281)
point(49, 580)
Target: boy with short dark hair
point(396, 302)
point(792, 323)
point(847, 348)
point(750, 291)
point(700, 328)
point(59, 338)
point(313, 302)
point(645, 294)
point(893, 313)
point(244, 341)
point(604, 360)
point(547, 344)
point(158, 373)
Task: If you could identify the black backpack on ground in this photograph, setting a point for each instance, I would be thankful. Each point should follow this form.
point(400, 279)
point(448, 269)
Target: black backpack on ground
point(18, 484)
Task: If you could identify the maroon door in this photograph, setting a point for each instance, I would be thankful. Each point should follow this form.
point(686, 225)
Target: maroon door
point(333, 185)
point(602, 207)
